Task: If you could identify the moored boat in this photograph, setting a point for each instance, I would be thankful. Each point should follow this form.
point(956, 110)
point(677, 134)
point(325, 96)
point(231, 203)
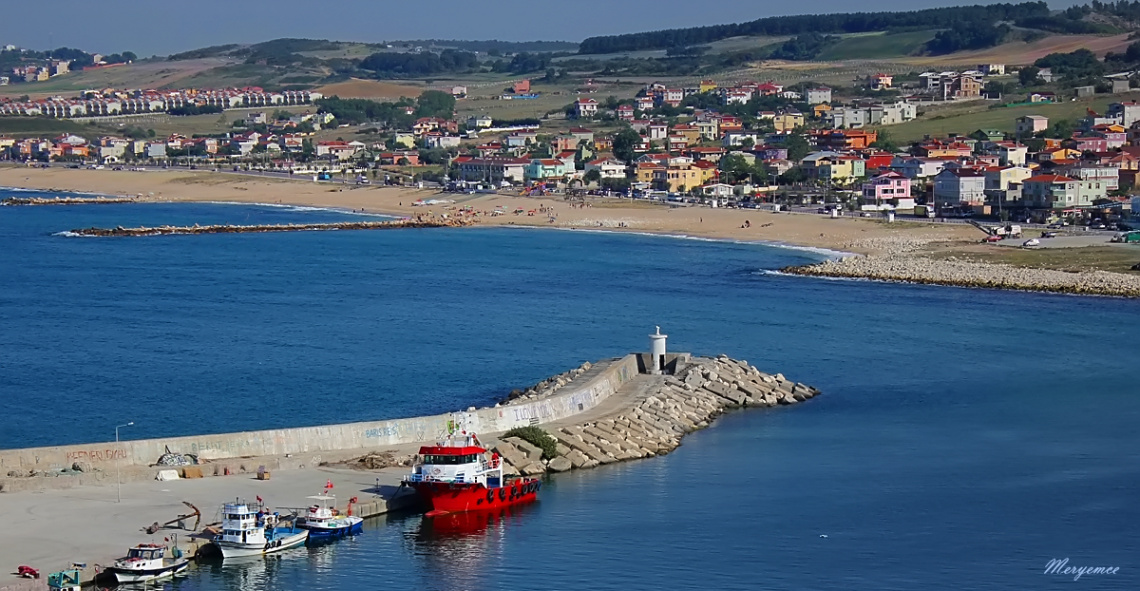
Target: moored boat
point(148, 562)
point(248, 529)
point(454, 478)
point(324, 522)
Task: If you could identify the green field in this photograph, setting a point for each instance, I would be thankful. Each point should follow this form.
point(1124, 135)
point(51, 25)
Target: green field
point(43, 126)
point(965, 119)
point(877, 45)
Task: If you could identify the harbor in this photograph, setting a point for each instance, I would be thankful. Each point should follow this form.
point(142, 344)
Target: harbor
point(637, 406)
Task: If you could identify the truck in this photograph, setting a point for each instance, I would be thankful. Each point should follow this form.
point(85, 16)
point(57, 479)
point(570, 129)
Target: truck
point(1127, 237)
point(1008, 231)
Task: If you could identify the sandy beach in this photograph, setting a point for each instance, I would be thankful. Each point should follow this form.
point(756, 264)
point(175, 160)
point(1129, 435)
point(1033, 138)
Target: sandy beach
point(845, 234)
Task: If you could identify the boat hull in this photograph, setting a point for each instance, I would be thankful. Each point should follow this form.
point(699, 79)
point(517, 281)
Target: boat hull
point(318, 532)
point(449, 497)
point(142, 575)
point(279, 543)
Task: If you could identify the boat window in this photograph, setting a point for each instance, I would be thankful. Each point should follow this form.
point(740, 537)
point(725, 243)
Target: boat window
point(448, 460)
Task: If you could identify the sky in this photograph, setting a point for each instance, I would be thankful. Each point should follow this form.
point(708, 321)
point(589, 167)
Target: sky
point(163, 27)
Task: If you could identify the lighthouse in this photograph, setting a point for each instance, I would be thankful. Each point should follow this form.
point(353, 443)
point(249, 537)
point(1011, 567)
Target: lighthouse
point(657, 352)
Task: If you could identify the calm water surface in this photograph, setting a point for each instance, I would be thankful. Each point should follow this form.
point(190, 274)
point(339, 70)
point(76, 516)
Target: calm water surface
point(964, 438)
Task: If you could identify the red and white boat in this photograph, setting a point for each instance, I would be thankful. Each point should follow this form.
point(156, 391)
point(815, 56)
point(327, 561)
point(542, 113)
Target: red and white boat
point(454, 478)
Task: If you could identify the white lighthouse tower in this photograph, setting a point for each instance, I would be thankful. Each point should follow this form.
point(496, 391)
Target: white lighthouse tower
point(656, 364)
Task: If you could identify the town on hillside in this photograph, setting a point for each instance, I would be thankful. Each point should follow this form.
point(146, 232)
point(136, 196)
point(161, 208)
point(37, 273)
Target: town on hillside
point(740, 144)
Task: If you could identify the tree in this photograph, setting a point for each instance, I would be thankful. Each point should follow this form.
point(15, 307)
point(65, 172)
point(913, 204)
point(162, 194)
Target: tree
point(1029, 76)
point(592, 176)
point(797, 146)
point(435, 103)
point(624, 144)
point(885, 143)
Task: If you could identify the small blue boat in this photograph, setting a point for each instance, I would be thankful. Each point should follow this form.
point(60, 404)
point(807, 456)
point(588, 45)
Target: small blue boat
point(325, 523)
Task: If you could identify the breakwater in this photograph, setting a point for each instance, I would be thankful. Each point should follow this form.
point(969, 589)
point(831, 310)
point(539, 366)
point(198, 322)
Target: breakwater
point(959, 273)
point(13, 201)
point(655, 414)
point(260, 228)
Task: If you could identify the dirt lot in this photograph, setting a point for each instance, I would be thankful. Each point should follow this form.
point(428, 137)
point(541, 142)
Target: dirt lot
point(370, 89)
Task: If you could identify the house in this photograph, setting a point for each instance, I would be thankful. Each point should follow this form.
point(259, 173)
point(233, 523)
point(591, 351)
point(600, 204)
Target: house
point(1041, 97)
point(436, 139)
point(479, 122)
point(960, 186)
point(608, 167)
point(657, 130)
point(769, 88)
point(718, 190)
point(625, 112)
point(459, 91)
point(788, 121)
point(155, 150)
point(676, 178)
point(992, 69)
point(819, 95)
point(706, 86)
point(585, 108)
point(999, 178)
point(1104, 177)
point(707, 130)
point(890, 187)
point(567, 157)
point(709, 153)
point(848, 139)
point(1011, 154)
point(493, 170)
point(1051, 191)
point(1029, 125)
point(881, 81)
point(989, 135)
point(405, 139)
point(521, 139)
point(834, 166)
point(339, 150)
point(581, 134)
point(644, 103)
point(541, 169)
point(1127, 112)
point(521, 87)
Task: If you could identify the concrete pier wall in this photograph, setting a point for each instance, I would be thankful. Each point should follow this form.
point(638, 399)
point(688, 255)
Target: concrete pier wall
point(581, 394)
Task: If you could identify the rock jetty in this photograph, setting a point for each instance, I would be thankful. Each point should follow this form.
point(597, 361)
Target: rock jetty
point(64, 200)
point(919, 269)
point(232, 229)
point(655, 420)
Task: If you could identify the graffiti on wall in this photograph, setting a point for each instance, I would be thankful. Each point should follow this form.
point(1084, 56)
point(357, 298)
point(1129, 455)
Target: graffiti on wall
point(96, 455)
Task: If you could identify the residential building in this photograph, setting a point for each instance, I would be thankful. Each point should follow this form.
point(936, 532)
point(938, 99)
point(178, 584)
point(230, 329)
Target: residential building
point(493, 170)
point(1041, 97)
point(479, 122)
point(608, 167)
point(1054, 191)
point(1127, 112)
point(676, 178)
point(999, 178)
point(1012, 154)
point(992, 69)
point(881, 81)
point(625, 112)
point(960, 186)
point(1100, 177)
point(585, 108)
point(542, 169)
point(339, 150)
point(819, 95)
point(887, 187)
point(459, 91)
point(1029, 125)
point(788, 121)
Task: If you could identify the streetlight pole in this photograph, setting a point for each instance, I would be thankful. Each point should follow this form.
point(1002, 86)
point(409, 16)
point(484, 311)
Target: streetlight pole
point(118, 461)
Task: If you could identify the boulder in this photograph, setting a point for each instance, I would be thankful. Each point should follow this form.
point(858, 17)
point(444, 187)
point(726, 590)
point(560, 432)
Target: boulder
point(533, 453)
point(534, 469)
point(560, 464)
point(511, 454)
point(577, 459)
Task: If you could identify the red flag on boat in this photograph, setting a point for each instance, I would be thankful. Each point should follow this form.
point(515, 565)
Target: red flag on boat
point(258, 499)
point(328, 484)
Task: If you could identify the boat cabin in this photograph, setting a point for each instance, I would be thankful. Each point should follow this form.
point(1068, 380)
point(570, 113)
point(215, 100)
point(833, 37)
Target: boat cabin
point(147, 552)
point(467, 464)
point(240, 523)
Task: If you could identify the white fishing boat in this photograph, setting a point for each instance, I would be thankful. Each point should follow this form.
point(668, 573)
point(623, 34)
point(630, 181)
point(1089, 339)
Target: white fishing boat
point(248, 529)
point(323, 522)
point(148, 562)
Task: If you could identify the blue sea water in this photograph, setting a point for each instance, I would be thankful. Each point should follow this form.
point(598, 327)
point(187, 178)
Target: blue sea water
point(964, 437)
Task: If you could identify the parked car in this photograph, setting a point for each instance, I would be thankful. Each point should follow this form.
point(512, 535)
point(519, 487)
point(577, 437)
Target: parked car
point(1031, 243)
point(994, 238)
point(1048, 234)
point(1055, 226)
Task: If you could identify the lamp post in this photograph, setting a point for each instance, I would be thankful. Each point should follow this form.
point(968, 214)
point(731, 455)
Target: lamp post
point(118, 479)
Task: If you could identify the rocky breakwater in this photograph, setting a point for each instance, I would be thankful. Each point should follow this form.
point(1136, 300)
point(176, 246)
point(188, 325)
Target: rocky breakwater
point(548, 386)
point(919, 269)
point(233, 229)
point(12, 201)
point(652, 418)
